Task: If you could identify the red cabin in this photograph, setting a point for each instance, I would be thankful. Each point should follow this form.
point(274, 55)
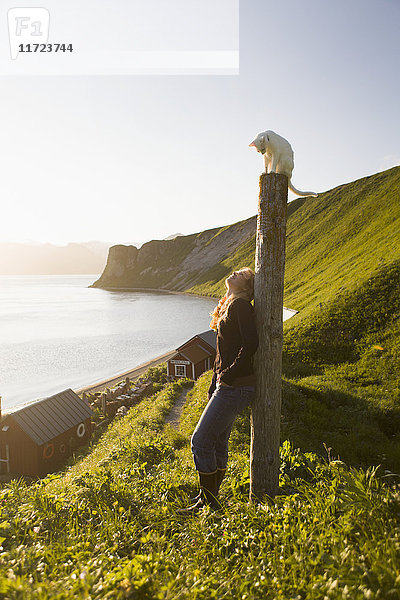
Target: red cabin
point(194, 356)
point(37, 438)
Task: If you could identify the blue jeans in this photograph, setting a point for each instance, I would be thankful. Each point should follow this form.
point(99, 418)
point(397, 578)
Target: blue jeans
point(209, 441)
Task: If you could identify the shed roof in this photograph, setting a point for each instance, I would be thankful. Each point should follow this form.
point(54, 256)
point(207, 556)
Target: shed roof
point(210, 337)
point(195, 354)
point(45, 419)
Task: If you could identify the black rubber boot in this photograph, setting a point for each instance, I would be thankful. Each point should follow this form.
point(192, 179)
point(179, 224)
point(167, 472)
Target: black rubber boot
point(219, 477)
point(208, 495)
point(209, 487)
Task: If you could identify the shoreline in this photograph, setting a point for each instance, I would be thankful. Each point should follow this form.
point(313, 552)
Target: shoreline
point(153, 290)
point(132, 373)
point(101, 385)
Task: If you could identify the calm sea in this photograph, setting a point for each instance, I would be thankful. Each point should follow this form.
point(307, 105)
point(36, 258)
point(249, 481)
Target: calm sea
point(55, 332)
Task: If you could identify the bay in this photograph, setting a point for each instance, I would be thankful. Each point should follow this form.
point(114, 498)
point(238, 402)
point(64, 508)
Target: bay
point(56, 332)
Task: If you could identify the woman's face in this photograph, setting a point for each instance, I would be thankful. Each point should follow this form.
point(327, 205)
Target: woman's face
point(236, 281)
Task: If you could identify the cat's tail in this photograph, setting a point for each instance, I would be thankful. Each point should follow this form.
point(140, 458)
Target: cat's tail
point(298, 192)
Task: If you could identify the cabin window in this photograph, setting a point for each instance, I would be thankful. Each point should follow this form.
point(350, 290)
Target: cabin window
point(180, 370)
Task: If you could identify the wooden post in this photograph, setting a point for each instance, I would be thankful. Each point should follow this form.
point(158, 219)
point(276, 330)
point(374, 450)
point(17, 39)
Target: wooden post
point(104, 404)
point(268, 304)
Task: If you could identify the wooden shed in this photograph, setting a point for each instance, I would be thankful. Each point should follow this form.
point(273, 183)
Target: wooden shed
point(194, 356)
point(37, 438)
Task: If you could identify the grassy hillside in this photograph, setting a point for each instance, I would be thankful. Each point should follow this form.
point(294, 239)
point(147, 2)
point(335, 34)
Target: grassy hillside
point(334, 242)
point(107, 528)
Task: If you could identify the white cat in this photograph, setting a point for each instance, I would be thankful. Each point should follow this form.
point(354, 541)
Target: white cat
point(278, 156)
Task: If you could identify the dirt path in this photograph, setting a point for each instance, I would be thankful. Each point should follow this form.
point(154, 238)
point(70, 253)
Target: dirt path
point(174, 416)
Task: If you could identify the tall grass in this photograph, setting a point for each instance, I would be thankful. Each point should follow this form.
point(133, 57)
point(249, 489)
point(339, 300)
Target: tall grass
point(108, 528)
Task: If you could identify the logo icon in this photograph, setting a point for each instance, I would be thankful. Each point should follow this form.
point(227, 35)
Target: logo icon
point(27, 26)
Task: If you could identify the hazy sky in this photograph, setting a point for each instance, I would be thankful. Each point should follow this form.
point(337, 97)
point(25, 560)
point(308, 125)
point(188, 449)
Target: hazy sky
point(130, 158)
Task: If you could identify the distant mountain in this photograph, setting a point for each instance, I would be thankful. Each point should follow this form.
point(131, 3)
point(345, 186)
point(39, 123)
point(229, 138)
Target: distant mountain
point(50, 259)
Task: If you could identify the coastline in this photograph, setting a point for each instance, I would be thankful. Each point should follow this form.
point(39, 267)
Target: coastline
point(116, 352)
point(153, 290)
point(132, 373)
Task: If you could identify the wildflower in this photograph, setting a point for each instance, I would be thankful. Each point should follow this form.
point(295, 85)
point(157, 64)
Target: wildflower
point(126, 584)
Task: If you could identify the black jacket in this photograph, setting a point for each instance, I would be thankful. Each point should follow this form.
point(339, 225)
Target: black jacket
point(237, 341)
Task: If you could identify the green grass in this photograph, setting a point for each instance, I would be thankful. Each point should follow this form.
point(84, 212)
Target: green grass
point(344, 329)
point(107, 528)
point(342, 375)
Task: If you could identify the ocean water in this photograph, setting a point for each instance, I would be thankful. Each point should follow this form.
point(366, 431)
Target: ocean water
point(56, 332)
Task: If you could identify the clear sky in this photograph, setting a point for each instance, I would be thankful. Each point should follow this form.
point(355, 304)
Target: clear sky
point(131, 158)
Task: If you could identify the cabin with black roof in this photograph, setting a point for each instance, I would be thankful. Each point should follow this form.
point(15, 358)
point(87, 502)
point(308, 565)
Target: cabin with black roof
point(194, 357)
point(37, 438)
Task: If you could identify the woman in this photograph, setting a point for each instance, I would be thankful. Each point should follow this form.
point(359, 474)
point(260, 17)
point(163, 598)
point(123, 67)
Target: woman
point(232, 386)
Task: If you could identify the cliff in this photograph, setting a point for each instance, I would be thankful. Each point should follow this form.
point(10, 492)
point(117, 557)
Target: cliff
point(175, 264)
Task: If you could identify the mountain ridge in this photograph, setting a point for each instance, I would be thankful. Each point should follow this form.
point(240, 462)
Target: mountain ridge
point(334, 242)
point(50, 259)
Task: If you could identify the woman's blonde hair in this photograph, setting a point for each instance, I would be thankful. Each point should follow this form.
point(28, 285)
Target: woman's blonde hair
point(247, 292)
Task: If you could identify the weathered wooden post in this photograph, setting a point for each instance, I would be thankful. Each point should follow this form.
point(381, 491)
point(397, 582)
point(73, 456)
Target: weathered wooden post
point(104, 404)
point(268, 304)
